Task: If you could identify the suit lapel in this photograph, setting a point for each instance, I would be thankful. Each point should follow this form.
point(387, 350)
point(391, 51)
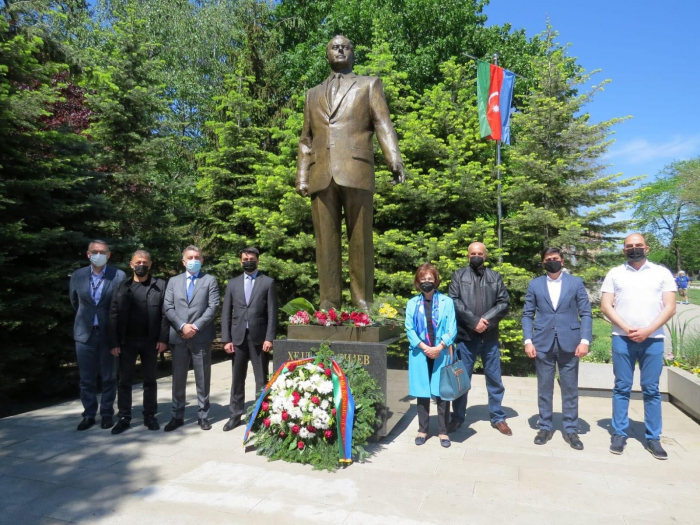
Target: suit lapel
point(545, 291)
point(323, 99)
point(350, 81)
point(564, 289)
point(197, 286)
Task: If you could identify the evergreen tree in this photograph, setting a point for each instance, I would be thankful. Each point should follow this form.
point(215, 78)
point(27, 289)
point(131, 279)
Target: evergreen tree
point(50, 203)
point(556, 191)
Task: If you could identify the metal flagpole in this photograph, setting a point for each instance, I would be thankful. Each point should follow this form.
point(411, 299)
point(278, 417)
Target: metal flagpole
point(498, 186)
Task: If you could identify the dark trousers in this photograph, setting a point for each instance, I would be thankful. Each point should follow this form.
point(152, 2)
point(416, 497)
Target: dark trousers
point(127, 364)
point(423, 407)
point(490, 353)
point(327, 215)
point(546, 363)
point(95, 359)
point(248, 351)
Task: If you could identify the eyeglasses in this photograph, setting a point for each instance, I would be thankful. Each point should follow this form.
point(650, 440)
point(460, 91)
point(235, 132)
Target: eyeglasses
point(96, 252)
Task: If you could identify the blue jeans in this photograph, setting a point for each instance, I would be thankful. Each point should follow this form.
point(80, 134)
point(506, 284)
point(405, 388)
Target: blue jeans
point(650, 355)
point(95, 359)
point(491, 358)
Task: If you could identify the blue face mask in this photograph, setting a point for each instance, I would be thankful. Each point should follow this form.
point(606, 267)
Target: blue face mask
point(194, 265)
point(98, 260)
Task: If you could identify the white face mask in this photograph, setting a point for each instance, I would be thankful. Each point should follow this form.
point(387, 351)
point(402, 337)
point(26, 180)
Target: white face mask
point(98, 259)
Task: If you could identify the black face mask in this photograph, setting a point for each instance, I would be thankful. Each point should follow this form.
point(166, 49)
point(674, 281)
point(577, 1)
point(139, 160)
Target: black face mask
point(476, 262)
point(427, 287)
point(553, 266)
point(635, 254)
point(250, 266)
point(141, 270)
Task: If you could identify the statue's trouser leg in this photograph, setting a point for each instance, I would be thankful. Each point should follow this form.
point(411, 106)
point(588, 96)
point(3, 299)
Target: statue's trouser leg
point(358, 220)
point(326, 213)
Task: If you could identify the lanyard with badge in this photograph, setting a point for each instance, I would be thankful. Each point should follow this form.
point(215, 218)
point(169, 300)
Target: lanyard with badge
point(96, 287)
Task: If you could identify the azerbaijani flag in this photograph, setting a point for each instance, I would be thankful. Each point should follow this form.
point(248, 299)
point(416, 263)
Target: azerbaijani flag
point(494, 87)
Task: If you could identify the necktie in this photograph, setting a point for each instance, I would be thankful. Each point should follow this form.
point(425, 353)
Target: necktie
point(248, 288)
point(190, 288)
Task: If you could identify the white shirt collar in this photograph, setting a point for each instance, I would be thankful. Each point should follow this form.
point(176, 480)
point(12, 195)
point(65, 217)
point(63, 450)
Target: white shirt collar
point(644, 266)
point(557, 280)
point(192, 275)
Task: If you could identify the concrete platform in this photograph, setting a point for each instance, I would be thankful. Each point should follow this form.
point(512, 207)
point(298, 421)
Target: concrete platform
point(52, 474)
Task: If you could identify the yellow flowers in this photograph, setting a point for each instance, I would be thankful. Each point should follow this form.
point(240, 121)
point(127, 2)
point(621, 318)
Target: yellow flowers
point(388, 311)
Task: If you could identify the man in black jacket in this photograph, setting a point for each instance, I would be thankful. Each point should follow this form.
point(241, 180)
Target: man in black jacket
point(248, 326)
point(481, 301)
point(138, 327)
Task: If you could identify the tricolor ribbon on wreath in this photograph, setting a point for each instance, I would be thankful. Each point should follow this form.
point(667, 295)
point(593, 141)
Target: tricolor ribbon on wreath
point(342, 399)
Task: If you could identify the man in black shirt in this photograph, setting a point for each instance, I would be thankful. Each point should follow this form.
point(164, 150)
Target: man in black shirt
point(138, 327)
point(481, 301)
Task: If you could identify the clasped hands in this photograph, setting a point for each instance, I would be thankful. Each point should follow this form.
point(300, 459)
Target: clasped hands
point(581, 350)
point(432, 351)
point(229, 348)
point(638, 335)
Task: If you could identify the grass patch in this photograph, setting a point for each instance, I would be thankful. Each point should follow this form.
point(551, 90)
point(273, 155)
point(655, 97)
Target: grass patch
point(693, 295)
point(601, 346)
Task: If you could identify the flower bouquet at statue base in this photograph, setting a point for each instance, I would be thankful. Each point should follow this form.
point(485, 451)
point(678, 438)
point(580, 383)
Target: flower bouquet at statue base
point(316, 410)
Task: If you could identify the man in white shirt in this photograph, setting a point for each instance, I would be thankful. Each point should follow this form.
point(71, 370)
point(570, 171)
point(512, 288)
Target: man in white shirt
point(560, 334)
point(638, 298)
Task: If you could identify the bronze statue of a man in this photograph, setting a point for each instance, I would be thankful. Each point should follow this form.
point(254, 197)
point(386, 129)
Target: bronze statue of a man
point(336, 168)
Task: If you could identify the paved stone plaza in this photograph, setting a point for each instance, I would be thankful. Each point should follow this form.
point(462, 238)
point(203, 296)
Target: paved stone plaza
point(52, 474)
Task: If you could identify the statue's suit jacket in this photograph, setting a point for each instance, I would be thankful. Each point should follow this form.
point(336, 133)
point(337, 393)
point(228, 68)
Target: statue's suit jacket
point(336, 142)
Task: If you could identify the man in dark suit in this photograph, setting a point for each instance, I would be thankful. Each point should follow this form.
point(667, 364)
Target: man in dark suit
point(335, 166)
point(248, 325)
point(558, 328)
point(138, 327)
point(90, 295)
point(191, 301)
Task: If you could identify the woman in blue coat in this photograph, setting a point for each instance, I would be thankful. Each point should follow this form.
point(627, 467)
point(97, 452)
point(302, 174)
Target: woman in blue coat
point(431, 327)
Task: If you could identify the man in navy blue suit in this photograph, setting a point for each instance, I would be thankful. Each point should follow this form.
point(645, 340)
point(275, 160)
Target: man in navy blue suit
point(91, 291)
point(557, 328)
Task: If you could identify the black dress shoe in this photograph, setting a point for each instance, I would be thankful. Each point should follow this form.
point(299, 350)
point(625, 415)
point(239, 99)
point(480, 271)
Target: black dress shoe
point(420, 440)
point(445, 443)
point(86, 423)
point(231, 424)
point(204, 423)
point(454, 425)
point(122, 425)
point(151, 423)
point(617, 444)
point(107, 422)
point(173, 424)
point(654, 446)
point(543, 436)
point(573, 441)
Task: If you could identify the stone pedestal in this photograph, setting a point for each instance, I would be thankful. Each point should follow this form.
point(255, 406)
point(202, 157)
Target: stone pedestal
point(369, 354)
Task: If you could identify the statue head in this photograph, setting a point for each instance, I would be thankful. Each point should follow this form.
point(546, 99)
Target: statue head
point(340, 53)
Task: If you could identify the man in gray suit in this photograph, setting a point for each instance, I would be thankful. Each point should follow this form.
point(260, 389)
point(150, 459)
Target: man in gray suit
point(191, 301)
point(248, 325)
point(90, 295)
point(561, 334)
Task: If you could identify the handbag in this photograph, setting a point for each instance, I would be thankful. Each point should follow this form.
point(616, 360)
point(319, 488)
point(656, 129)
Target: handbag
point(454, 378)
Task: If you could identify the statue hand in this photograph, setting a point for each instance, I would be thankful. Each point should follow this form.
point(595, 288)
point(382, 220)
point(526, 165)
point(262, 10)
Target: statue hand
point(399, 175)
point(303, 189)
